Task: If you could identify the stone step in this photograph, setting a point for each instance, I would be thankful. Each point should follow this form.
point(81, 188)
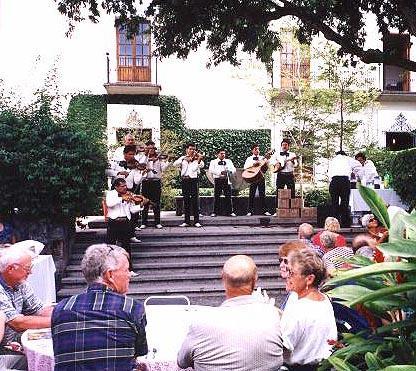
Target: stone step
point(185, 253)
point(170, 280)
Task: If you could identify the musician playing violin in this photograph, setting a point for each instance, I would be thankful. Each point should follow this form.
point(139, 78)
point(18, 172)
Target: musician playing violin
point(254, 160)
point(284, 164)
point(221, 168)
point(121, 205)
point(190, 166)
point(155, 165)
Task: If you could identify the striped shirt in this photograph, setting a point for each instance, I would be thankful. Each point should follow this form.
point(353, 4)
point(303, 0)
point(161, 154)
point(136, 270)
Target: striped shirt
point(16, 301)
point(98, 330)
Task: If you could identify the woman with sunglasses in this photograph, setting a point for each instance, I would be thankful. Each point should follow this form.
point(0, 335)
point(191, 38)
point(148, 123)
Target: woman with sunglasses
point(308, 322)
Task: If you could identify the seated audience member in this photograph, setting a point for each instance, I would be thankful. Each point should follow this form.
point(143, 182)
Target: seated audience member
point(102, 328)
point(308, 322)
point(243, 334)
point(364, 245)
point(6, 232)
point(332, 225)
point(23, 310)
point(379, 233)
point(335, 257)
point(305, 233)
point(284, 251)
point(10, 359)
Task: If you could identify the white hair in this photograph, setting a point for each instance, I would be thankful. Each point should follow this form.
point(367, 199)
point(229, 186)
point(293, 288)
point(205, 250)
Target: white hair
point(12, 255)
point(100, 258)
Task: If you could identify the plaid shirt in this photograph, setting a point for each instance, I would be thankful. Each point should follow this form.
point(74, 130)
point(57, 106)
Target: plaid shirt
point(98, 330)
point(15, 302)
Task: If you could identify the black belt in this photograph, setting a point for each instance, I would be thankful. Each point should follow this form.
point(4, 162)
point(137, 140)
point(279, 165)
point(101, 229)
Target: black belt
point(151, 180)
point(187, 177)
point(120, 219)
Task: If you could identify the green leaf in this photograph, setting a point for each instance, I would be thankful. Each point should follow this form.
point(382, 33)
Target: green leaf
point(373, 361)
point(341, 365)
point(396, 326)
point(376, 204)
point(371, 270)
point(349, 292)
point(400, 368)
point(400, 247)
point(382, 293)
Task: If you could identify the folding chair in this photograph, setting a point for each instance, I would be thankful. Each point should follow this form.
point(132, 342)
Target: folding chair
point(167, 300)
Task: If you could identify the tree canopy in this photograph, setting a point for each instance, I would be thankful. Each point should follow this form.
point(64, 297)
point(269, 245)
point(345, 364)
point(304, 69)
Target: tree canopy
point(227, 26)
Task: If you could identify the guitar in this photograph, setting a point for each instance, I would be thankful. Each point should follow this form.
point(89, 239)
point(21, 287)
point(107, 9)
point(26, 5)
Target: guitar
point(277, 168)
point(255, 173)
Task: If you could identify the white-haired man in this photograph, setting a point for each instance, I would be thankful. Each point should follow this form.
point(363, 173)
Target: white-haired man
point(102, 328)
point(22, 308)
point(243, 334)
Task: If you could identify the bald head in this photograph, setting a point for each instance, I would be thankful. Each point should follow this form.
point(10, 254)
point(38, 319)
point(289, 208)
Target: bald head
point(239, 275)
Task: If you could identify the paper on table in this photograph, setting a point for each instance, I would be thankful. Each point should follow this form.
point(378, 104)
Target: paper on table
point(39, 335)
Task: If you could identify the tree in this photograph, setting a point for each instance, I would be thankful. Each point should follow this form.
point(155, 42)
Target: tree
point(227, 26)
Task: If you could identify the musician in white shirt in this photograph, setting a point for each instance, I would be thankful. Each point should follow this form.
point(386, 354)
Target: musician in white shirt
point(339, 173)
point(221, 168)
point(190, 165)
point(252, 160)
point(152, 183)
point(365, 171)
point(120, 208)
point(284, 164)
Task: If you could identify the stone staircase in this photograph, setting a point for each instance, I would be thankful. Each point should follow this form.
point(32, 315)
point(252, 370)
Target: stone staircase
point(188, 261)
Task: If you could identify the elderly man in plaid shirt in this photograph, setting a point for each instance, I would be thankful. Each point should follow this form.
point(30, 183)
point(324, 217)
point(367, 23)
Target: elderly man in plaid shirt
point(102, 328)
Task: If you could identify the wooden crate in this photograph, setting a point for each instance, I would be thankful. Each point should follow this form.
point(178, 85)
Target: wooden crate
point(296, 203)
point(284, 203)
point(284, 194)
point(308, 213)
point(287, 213)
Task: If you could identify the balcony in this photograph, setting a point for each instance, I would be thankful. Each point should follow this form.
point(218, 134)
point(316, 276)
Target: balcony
point(398, 89)
point(133, 76)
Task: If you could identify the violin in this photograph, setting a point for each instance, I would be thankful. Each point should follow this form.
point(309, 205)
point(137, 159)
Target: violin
point(134, 198)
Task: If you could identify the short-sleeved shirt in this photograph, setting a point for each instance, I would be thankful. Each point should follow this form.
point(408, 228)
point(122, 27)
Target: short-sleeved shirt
point(14, 302)
point(98, 330)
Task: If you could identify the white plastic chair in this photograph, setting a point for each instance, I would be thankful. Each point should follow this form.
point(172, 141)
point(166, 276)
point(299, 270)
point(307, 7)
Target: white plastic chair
point(167, 300)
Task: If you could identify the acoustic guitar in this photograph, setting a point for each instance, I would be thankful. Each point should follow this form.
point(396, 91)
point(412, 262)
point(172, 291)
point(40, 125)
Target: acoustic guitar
point(277, 168)
point(255, 173)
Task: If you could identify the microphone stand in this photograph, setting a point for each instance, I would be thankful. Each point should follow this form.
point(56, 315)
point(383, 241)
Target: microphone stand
point(231, 187)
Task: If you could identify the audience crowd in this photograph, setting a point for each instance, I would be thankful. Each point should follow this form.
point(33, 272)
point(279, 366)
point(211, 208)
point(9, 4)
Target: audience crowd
point(103, 329)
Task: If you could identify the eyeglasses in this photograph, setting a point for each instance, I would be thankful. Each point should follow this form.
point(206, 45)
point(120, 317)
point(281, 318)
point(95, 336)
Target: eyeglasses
point(284, 260)
point(27, 269)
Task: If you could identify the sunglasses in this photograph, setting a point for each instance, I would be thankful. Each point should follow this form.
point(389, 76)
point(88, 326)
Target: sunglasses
point(284, 260)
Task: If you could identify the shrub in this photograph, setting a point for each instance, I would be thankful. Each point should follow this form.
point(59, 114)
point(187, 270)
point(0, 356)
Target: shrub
point(316, 197)
point(50, 169)
point(403, 171)
point(382, 159)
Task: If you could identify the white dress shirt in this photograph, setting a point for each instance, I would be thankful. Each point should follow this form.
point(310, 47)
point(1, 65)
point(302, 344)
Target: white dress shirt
point(251, 161)
point(215, 169)
point(155, 168)
point(290, 166)
point(342, 165)
point(366, 172)
point(117, 208)
point(116, 168)
point(189, 169)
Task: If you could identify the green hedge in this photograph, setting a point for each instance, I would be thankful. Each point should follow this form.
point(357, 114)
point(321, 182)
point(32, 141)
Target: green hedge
point(50, 168)
point(403, 171)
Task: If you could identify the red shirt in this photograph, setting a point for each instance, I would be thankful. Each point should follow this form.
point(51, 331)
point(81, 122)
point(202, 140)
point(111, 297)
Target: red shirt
point(340, 242)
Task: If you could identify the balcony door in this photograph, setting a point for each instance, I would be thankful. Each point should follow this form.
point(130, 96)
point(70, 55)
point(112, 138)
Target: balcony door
point(133, 55)
point(396, 78)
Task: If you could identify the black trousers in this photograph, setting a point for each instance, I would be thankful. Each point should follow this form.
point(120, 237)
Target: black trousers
point(261, 185)
point(119, 232)
point(339, 189)
point(151, 189)
point(221, 186)
point(190, 199)
point(282, 180)
point(307, 367)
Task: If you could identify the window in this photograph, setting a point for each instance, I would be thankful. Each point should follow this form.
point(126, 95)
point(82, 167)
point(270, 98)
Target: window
point(294, 62)
point(396, 78)
point(133, 55)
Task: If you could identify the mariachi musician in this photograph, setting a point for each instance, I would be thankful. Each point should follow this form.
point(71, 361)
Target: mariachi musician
point(221, 169)
point(122, 168)
point(284, 163)
point(190, 166)
point(155, 165)
point(254, 160)
point(121, 205)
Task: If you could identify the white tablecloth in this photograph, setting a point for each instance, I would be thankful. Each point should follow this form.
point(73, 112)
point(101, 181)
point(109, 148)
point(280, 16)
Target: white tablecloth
point(167, 326)
point(42, 278)
point(389, 196)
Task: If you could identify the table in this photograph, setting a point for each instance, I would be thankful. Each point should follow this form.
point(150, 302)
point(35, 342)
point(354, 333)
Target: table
point(389, 196)
point(167, 326)
point(42, 278)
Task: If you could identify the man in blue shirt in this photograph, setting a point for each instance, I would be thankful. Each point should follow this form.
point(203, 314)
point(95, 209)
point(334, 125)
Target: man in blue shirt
point(100, 329)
